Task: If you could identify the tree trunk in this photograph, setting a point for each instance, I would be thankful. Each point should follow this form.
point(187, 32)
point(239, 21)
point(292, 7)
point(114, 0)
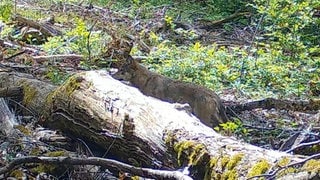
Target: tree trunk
point(146, 132)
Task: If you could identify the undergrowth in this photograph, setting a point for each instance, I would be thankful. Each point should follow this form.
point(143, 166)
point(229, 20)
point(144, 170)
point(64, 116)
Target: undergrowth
point(266, 73)
point(282, 61)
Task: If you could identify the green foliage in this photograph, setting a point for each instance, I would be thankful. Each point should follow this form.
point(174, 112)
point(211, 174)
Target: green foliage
point(6, 8)
point(79, 40)
point(232, 128)
point(169, 21)
point(189, 34)
point(56, 45)
point(284, 62)
point(290, 26)
point(56, 76)
point(266, 73)
point(80, 35)
point(6, 31)
point(187, 10)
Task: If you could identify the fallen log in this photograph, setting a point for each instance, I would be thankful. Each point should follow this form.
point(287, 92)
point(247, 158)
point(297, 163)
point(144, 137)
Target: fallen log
point(269, 103)
point(146, 132)
point(44, 27)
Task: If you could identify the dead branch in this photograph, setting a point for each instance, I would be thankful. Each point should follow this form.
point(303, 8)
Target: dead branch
point(269, 103)
point(9, 67)
point(28, 49)
point(44, 28)
point(212, 24)
point(303, 145)
point(60, 57)
point(107, 163)
point(15, 55)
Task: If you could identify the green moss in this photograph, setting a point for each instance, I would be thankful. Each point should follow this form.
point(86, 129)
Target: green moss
point(286, 171)
point(259, 168)
point(44, 168)
point(312, 166)
point(194, 151)
point(29, 93)
point(217, 167)
point(17, 174)
point(180, 147)
point(213, 162)
point(315, 148)
point(169, 139)
point(315, 103)
point(230, 175)
point(290, 170)
point(56, 153)
point(209, 174)
point(23, 129)
point(234, 161)
point(197, 154)
point(224, 161)
point(72, 84)
point(51, 96)
point(283, 162)
point(51, 168)
point(135, 178)
point(35, 151)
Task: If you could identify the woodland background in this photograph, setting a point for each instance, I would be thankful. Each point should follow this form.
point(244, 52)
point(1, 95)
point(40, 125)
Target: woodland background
point(243, 50)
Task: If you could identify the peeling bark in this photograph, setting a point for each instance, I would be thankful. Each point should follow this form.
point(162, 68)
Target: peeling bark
point(7, 119)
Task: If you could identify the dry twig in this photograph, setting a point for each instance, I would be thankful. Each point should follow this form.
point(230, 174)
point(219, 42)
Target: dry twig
point(143, 172)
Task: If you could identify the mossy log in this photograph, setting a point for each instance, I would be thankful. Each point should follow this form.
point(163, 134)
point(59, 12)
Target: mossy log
point(146, 132)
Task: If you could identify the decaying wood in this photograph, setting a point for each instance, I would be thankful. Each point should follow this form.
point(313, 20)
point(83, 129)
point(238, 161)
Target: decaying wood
point(14, 55)
point(34, 91)
point(9, 67)
point(41, 59)
point(7, 119)
point(269, 103)
point(26, 49)
point(44, 28)
point(211, 24)
point(149, 132)
point(144, 131)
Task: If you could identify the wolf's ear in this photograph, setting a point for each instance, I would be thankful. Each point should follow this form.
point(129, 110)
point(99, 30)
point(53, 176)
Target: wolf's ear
point(130, 59)
point(125, 47)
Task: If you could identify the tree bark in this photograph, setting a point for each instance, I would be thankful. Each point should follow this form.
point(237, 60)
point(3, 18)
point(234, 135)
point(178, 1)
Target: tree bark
point(146, 132)
point(7, 119)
